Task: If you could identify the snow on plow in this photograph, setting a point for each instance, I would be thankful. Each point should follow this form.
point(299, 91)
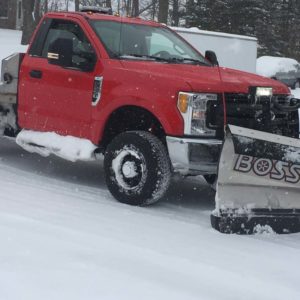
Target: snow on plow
point(258, 183)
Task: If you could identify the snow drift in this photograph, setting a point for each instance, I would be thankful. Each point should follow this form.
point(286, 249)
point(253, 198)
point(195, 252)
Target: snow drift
point(46, 143)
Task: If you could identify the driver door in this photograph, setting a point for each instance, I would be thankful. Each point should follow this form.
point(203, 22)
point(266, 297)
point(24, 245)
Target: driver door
point(59, 93)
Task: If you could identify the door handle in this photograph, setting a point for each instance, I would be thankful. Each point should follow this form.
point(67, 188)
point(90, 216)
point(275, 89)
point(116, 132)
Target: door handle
point(36, 74)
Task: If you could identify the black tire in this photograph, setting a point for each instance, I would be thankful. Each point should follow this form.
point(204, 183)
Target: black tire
point(211, 180)
point(137, 168)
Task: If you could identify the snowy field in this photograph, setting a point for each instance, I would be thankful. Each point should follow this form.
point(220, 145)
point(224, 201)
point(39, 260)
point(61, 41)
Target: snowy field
point(64, 237)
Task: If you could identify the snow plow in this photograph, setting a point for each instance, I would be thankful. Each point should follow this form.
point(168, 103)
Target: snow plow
point(258, 183)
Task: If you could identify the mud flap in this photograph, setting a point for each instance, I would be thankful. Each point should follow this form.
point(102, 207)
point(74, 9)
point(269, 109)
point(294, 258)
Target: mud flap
point(258, 183)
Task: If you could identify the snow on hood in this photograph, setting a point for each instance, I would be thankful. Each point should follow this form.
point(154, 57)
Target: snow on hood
point(269, 65)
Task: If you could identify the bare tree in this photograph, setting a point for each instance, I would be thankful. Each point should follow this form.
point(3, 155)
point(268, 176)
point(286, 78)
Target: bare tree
point(29, 23)
point(163, 11)
point(37, 11)
point(108, 3)
point(126, 7)
point(76, 5)
point(135, 8)
point(175, 13)
point(45, 6)
point(67, 5)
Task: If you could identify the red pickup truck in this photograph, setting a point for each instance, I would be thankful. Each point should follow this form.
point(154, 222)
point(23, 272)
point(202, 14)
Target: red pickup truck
point(137, 91)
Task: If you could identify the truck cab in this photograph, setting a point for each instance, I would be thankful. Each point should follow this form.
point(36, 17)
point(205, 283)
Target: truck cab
point(147, 100)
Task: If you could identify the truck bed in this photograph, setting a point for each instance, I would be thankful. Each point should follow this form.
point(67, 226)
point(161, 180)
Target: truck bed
point(9, 79)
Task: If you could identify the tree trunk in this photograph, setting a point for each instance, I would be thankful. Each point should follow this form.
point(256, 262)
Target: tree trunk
point(190, 7)
point(108, 3)
point(163, 11)
point(28, 21)
point(128, 8)
point(135, 8)
point(154, 9)
point(45, 6)
point(67, 5)
point(175, 14)
point(37, 11)
point(76, 5)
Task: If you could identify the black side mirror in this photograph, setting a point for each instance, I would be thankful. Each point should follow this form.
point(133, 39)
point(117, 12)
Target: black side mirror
point(60, 52)
point(84, 61)
point(212, 57)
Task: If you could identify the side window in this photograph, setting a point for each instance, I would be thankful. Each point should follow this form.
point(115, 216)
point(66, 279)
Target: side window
point(67, 40)
point(36, 46)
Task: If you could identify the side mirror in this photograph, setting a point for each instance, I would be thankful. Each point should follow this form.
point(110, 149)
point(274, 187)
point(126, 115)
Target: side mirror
point(212, 57)
point(60, 52)
point(84, 61)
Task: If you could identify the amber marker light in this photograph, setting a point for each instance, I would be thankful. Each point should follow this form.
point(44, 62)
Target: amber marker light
point(183, 102)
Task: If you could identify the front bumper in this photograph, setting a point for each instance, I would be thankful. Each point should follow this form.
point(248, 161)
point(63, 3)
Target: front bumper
point(279, 220)
point(191, 156)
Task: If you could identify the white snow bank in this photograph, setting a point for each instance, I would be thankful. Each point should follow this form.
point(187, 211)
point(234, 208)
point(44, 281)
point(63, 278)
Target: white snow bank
point(296, 93)
point(292, 154)
point(65, 238)
point(46, 143)
point(263, 229)
point(269, 65)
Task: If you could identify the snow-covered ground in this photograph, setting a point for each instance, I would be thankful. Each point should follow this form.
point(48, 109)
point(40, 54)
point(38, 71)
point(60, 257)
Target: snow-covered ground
point(63, 236)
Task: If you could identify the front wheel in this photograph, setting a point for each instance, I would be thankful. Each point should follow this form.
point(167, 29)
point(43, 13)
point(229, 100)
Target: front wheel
point(137, 168)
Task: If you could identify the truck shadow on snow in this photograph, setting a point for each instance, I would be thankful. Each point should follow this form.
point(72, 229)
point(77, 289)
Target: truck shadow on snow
point(189, 193)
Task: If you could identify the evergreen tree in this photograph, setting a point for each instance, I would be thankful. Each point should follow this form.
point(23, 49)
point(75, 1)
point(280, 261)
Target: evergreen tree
point(275, 23)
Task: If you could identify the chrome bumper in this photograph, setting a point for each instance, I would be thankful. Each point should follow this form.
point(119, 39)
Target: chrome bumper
point(194, 156)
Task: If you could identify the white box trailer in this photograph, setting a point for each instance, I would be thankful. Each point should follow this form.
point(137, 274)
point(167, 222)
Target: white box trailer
point(233, 51)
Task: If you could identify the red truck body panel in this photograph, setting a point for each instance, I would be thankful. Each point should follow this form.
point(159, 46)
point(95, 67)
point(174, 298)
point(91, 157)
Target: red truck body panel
point(61, 100)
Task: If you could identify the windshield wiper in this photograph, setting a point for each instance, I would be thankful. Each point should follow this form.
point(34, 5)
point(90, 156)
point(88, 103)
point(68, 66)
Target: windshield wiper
point(168, 60)
point(144, 56)
point(198, 62)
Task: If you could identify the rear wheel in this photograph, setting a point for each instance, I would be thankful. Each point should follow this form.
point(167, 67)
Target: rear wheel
point(137, 168)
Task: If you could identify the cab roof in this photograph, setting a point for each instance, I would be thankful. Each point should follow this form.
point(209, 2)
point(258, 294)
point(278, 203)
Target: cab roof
point(102, 16)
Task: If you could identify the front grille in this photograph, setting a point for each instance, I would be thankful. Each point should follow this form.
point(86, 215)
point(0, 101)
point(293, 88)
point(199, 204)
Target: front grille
point(242, 112)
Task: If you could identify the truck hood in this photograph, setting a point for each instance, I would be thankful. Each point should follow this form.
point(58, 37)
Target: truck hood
point(207, 79)
point(233, 81)
point(241, 81)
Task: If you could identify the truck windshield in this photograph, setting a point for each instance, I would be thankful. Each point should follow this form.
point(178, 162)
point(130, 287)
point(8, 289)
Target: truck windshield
point(134, 41)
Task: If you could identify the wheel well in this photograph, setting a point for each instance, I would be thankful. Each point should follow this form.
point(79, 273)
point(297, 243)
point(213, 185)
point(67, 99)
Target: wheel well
point(129, 118)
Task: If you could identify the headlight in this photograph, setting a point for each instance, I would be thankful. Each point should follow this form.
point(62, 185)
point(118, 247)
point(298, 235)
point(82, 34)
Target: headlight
point(260, 95)
point(193, 108)
point(264, 92)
